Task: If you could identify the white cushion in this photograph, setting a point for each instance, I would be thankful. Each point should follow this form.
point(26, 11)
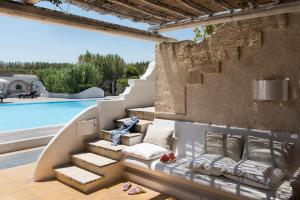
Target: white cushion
point(258, 174)
point(159, 136)
point(145, 151)
point(211, 164)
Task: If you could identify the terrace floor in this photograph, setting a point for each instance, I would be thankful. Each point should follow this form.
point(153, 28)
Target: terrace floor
point(30, 100)
point(17, 184)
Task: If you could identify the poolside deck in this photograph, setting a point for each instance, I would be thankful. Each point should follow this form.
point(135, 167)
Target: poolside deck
point(30, 100)
point(17, 184)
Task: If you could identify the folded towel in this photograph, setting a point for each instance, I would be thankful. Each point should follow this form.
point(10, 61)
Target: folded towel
point(115, 135)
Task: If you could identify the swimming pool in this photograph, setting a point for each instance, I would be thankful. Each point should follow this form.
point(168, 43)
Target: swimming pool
point(31, 115)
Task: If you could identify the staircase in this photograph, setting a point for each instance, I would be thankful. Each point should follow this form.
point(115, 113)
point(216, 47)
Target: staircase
point(99, 165)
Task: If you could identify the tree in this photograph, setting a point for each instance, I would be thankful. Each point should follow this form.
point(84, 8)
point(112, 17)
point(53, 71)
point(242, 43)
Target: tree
point(132, 72)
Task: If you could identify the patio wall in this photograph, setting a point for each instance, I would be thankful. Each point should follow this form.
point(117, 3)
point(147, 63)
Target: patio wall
point(211, 82)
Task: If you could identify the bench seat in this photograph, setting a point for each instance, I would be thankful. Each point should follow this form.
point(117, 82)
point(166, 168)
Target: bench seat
point(218, 184)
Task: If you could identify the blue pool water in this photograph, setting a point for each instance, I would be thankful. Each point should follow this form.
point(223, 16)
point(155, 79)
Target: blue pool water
point(30, 115)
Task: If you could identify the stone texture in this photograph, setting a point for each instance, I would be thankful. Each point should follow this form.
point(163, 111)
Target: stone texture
point(263, 48)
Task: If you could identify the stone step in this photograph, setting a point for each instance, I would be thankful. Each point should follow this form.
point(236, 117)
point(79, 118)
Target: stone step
point(103, 166)
point(140, 127)
point(78, 178)
point(128, 139)
point(104, 148)
point(146, 113)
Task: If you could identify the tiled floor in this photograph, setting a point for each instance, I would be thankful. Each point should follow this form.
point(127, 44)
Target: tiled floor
point(18, 158)
point(17, 184)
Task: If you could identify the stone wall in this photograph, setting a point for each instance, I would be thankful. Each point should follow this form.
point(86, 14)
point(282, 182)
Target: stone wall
point(211, 82)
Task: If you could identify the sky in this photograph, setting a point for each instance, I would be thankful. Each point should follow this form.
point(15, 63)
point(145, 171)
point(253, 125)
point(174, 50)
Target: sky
point(31, 41)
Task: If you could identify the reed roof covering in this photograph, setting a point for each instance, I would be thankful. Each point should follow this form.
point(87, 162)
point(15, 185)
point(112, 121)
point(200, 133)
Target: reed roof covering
point(161, 12)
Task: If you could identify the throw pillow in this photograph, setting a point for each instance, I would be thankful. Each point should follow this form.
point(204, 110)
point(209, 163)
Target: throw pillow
point(159, 136)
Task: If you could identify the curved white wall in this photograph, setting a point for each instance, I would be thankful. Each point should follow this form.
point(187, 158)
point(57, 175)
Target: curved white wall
point(59, 148)
point(93, 92)
point(139, 93)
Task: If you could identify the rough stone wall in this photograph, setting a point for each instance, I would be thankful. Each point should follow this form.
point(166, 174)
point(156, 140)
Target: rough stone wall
point(211, 82)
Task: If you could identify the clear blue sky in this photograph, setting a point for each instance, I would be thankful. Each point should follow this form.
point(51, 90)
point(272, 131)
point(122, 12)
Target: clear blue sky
point(24, 40)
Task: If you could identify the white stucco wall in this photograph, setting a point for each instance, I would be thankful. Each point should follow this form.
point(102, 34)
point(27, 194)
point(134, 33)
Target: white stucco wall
point(93, 92)
point(139, 93)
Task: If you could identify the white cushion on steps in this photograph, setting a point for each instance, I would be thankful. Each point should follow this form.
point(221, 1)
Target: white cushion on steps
point(145, 151)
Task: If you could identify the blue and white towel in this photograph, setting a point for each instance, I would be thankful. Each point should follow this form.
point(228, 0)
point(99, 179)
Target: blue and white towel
point(115, 135)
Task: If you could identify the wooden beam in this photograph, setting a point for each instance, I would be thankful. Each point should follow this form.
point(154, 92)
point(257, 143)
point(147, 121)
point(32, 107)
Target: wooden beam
point(195, 7)
point(224, 4)
point(252, 3)
point(31, 1)
point(236, 15)
point(57, 17)
point(94, 6)
point(135, 7)
point(167, 8)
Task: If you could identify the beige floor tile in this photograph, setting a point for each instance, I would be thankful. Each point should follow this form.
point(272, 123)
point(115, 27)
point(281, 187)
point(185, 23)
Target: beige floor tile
point(20, 195)
point(17, 184)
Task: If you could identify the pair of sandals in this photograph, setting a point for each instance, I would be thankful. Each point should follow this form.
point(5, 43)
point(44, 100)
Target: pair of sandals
point(132, 190)
point(168, 158)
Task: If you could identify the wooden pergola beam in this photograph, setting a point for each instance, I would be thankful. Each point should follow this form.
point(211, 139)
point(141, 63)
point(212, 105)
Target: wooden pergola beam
point(56, 17)
point(236, 15)
point(195, 7)
point(93, 5)
point(135, 7)
point(224, 4)
point(252, 3)
point(167, 8)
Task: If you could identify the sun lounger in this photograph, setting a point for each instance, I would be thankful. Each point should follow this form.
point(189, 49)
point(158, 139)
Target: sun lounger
point(31, 94)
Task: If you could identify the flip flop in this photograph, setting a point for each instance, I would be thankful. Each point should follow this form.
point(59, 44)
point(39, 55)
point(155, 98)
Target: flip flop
point(136, 190)
point(126, 186)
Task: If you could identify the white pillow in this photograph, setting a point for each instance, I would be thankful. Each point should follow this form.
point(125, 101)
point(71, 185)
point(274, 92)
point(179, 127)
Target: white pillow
point(159, 136)
point(145, 151)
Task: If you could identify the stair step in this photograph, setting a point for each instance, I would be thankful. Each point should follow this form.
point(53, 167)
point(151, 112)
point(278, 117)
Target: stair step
point(140, 127)
point(104, 148)
point(128, 139)
point(146, 113)
point(111, 169)
point(78, 178)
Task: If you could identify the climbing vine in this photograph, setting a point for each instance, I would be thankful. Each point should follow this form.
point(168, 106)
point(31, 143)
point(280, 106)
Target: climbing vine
point(204, 32)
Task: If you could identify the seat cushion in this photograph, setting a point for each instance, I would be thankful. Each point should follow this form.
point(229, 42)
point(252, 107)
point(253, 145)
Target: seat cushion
point(159, 136)
point(145, 151)
point(265, 150)
point(257, 174)
point(138, 163)
point(179, 168)
point(211, 164)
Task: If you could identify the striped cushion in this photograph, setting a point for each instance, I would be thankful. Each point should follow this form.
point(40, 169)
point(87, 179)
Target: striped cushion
point(265, 150)
point(255, 173)
point(215, 143)
point(234, 147)
point(223, 144)
point(211, 164)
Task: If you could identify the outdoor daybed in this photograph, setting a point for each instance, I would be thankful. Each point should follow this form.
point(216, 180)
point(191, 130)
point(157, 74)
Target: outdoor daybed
point(189, 143)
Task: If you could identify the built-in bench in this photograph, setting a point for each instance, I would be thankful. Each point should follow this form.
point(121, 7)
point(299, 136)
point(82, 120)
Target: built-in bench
point(176, 178)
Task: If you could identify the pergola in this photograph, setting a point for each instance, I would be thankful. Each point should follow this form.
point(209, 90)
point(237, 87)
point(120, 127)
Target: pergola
point(161, 15)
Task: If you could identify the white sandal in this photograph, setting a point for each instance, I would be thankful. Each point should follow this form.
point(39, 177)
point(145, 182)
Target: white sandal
point(136, 190)
point(126, 186)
